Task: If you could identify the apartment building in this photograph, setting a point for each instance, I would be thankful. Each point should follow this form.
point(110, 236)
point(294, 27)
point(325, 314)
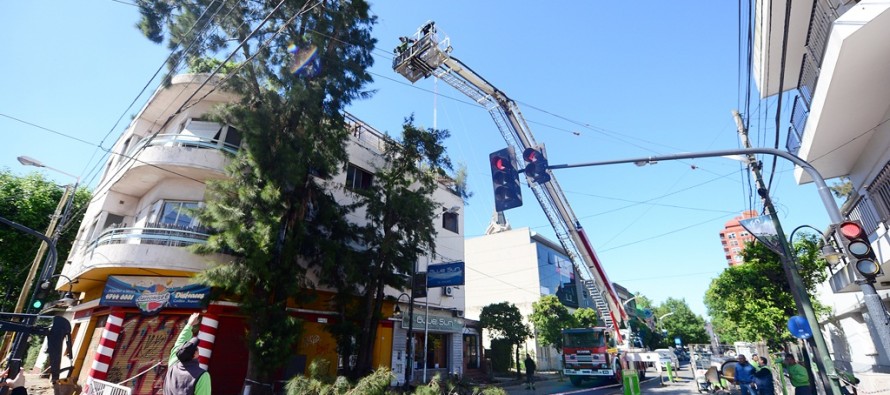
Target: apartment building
point(836, 67)
point(734, 237)
point(132, 269)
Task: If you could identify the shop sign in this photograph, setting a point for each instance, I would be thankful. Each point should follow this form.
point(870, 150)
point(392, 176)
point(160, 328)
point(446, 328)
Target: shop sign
point(151, 294)
point(445, 275)
point(440, 323)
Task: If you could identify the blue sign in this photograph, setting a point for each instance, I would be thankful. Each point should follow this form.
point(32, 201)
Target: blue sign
point(445, 275)
point(799, 327)
point(151, 294)
point(677, 341)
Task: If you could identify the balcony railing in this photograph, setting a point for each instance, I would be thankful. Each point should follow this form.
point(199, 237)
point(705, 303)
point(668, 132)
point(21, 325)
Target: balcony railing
point(879, 191)
point(862, 209)
point(153, 233)
point(184, 140)
point(823, 16)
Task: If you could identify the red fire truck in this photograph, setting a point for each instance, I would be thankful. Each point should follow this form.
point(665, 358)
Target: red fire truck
point(591, 354)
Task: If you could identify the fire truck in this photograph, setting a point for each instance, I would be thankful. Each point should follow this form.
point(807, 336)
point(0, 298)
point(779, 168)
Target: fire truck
point(591, 354)
point(427, 53)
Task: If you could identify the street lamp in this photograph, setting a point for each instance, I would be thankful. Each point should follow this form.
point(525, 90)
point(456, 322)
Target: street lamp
point(67, 299)
point(827, 252)
point(60, 218)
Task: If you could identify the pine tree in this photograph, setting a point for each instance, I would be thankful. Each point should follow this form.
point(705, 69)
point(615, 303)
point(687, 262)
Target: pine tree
point(300, 63)
point(399, 211)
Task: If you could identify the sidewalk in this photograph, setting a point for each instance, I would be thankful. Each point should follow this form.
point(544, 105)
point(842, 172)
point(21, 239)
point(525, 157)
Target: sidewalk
point(681, 386)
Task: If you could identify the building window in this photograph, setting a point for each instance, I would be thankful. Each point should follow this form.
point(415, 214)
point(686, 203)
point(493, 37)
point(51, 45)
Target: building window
point(449, 221)
point(357, 178)
point(738, 258)
point(734, 243)
point(743, 234)
point(178, 213)
point(731, 235)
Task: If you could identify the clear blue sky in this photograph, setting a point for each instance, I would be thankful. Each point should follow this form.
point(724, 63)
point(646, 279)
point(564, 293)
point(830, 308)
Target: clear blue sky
point(595, 80)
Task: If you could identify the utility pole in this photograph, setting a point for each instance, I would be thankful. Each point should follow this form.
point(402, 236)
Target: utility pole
point(798, 290)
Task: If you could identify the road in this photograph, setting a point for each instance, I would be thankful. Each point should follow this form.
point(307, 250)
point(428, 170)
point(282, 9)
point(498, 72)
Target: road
point(554, 386)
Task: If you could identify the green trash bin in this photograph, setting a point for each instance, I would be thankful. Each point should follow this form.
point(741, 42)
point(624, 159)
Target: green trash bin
point(631, 382)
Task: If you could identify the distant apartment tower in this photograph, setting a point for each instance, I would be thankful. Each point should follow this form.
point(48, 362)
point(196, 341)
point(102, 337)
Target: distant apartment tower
point(734, 236)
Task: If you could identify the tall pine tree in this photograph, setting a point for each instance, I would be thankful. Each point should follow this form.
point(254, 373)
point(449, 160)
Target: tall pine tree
point(301, 62)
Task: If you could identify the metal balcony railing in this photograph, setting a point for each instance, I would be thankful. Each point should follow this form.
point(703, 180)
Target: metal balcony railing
point(153, 233)
point(823, 16)
point(862, 209)
point(184, 140)
point(879, 192)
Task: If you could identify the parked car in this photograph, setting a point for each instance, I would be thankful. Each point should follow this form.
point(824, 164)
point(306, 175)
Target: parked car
point(665, 355)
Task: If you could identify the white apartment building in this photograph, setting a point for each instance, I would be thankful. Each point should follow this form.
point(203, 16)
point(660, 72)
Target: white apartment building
point(836, 63)
point(520, 266)
point(132, 269)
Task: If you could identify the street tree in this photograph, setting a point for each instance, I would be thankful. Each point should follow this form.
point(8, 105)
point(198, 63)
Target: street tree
point(586, 317)
point(400, 214)
point(31, 201)
point(300, 63)
point(550, 317)
point(683, 323)
point(504, 321)
point(753, 301)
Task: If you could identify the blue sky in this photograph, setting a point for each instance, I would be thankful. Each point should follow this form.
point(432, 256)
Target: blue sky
point(595, 81)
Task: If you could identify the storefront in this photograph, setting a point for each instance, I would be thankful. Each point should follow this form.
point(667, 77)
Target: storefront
point(126, 334)
point(437, 345)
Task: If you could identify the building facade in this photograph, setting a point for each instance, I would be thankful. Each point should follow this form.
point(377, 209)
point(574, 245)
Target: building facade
point(836, 65)
point(734, 237)
point(132, 267)
point(520, 266)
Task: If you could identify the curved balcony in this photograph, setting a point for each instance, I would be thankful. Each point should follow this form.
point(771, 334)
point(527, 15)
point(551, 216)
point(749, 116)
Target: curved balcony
point(155, 249)
point(167, 155)
point(153, 234)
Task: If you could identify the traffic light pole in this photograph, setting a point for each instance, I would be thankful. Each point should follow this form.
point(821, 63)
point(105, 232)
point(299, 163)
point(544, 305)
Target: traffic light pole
point(14, 364)
point(796, 283)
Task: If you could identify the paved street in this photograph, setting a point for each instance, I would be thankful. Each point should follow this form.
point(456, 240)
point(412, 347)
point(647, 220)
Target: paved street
point(550, 384)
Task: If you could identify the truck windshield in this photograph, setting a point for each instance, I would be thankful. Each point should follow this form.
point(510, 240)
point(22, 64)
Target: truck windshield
point(584, 339)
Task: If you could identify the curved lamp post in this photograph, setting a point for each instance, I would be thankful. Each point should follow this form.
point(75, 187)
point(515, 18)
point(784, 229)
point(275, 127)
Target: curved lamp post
point(827, 251)
point(67, 299)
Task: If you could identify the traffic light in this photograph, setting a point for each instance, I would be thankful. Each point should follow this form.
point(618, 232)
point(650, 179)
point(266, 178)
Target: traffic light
point(859, 249)
point(505, 179)
point(40, 295)
point(536, 169)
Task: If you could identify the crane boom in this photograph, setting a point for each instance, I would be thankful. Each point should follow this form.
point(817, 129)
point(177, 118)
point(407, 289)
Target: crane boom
point(426, 54)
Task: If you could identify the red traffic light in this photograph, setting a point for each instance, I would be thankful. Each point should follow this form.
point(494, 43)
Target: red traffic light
point(499, 162)
point(852, 230)
point(532, 155)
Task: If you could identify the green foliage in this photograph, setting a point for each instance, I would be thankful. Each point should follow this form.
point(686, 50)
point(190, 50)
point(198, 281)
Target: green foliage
point(275, 215)
point(585, 317)
point(683, 323)
point(752, 302)
point(208, 65)
point(642, 302)
point(31, 201)
point(842, 190)
point(504, 321)
point(550, 317)
point(378, 382)
point(500, 355)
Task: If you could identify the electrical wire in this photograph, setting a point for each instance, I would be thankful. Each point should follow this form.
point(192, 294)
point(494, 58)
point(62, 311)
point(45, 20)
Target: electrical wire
point(781, 88)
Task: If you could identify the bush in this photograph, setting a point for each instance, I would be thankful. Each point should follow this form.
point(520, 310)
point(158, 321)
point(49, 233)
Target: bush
point(378, 383)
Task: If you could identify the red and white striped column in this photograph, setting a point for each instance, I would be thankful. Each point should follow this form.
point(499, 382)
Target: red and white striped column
point(206, 338)
point(102, 359)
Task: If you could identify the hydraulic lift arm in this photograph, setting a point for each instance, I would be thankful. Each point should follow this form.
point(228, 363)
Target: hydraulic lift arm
point(427, 54)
